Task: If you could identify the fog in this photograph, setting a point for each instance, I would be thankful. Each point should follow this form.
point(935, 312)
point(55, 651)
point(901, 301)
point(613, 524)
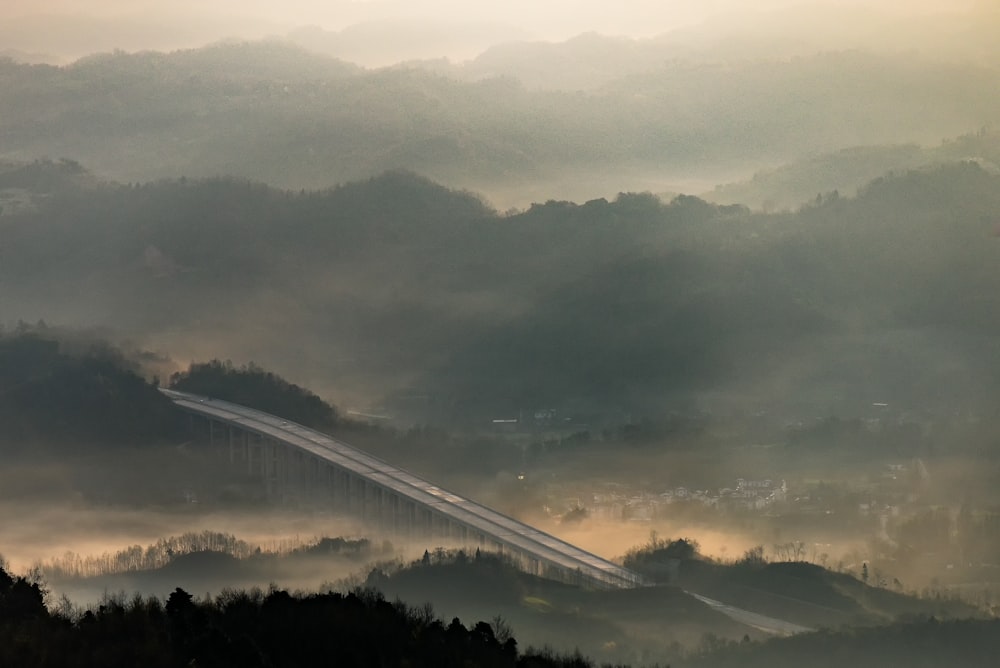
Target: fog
point(628, 272)
point(46, 531)
point(61, 30)
point(85, 510)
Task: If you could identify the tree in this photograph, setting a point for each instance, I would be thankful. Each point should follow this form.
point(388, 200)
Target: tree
point(21, 599)
point(502, 630)
point(753, 557)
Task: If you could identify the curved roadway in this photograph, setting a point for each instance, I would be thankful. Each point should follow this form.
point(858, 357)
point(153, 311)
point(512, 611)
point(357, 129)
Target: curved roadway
point(503, 529)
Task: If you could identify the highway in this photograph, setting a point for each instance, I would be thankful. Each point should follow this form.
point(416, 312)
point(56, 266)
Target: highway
point(503, 530)
point(761, 622)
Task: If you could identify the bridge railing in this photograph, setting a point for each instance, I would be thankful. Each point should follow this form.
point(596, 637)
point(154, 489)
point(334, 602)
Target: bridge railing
point(508, 532)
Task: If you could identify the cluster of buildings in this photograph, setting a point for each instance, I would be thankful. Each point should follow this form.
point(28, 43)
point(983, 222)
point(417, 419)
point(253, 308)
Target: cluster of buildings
point(616, 503)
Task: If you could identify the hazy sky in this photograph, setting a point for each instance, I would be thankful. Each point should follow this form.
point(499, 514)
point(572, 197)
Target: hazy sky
point(546, 17)
point(66, 29)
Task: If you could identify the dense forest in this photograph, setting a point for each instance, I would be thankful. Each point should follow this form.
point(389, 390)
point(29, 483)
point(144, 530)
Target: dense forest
point(277, 113)
point(403, 292)
point(790, 587)
point(246, 628)
point(847, 170)
point(920, 644)
point(595, 60)
point(252, 386)
point(275, 628)
point(65, 391)
point(736, 282)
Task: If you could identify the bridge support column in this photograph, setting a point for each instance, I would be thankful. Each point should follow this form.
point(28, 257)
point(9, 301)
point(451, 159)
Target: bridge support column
point(385, 518)
point(296, 469)
point(356, 495)
point(217, 436)
point(267, 466)
point(411, 518)
point(341, 490)
point(274, 467)
point(282, 452)
point(237, 445)
point(255, 458)
point(245, 443)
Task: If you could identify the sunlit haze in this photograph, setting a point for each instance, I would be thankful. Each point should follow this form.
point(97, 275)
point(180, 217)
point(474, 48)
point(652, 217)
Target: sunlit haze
point(650, 330)
point(68, 28)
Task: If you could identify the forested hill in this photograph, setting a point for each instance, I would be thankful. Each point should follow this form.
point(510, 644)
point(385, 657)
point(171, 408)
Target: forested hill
point(397, 285)
point(276, 113)
point(60, 391)
point(881, 293)
point(248, 628)
point(254, 387)
point(251, 628)
point(846, 170)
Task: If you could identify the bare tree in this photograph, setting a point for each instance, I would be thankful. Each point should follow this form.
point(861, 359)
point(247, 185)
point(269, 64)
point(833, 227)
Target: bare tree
point(502, 630)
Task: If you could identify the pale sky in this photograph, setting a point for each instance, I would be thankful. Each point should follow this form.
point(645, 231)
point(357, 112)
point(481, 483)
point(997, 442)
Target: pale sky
point(70, 28)
point(543, 16)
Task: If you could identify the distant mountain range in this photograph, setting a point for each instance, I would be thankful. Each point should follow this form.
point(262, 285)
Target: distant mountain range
point(276, 113)
point(847, 170)
point(397, 285)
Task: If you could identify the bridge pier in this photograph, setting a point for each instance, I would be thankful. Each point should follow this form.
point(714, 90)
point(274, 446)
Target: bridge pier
point(255, 456)
point(292, 463)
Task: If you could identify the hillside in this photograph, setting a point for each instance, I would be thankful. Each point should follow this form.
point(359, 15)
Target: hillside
point(610, 626)
point(254, 387)
point(848, 170)
point(64, 393)
point(631, 627)
point(276, 113)
point(924, 644)
point(246, 628)
point(591, 60)
point(251, 628)
point(806, 593)
point(396, 286)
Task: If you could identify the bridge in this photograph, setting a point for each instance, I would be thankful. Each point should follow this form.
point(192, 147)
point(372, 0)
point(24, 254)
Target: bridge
point(286, 456)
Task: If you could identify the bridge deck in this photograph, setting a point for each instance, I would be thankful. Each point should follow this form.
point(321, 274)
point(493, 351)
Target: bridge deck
point(503, 529)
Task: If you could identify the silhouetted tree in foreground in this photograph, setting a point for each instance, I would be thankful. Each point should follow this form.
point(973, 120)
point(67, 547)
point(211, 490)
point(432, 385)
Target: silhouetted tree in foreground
point(246, 629)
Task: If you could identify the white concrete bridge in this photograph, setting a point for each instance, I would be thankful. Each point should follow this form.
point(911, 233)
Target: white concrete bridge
point(285, 455)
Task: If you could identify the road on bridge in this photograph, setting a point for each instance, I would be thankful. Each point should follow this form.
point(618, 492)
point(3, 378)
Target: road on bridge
point(504, 530)
point(513, 535)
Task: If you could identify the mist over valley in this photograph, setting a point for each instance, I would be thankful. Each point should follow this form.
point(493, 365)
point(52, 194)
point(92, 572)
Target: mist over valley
point(495, 337)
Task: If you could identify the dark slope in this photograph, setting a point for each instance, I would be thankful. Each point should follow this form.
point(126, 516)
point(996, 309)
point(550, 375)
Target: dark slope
point(272, 112)
point(72, 395)
point(846, 171)
point(398, 285)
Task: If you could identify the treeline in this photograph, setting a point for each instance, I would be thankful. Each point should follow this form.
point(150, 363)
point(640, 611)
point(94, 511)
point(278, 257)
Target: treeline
point(60, 387)
point(57, 392)
point(401, 291)
point(845, 171)
point(787, 586)
point(70, 390)
point(137, 558)
point(276, 629)
point(261, 110)
point(165, 550)
point(250, 385)
point(247, 629)
point(929, 643)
